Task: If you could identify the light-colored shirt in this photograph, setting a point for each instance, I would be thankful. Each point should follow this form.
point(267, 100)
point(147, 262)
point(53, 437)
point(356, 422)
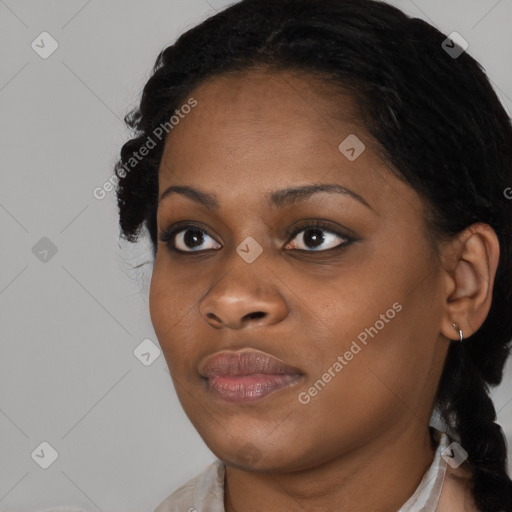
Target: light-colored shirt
point(442, 489)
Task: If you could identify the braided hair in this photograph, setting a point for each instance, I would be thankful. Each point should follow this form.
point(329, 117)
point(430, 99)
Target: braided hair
point(436, 120)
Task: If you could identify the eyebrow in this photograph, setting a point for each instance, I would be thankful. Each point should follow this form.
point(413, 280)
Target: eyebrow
point(278, 198)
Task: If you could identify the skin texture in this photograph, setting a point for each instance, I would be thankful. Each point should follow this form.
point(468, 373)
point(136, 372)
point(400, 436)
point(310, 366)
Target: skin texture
point(456, 495)
point(253, 133)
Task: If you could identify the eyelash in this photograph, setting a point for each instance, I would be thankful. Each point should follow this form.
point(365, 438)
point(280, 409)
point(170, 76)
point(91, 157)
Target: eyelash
point(168, 235)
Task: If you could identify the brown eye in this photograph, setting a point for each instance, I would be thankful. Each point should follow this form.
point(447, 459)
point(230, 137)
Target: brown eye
point(316, 236)
point(188, 239)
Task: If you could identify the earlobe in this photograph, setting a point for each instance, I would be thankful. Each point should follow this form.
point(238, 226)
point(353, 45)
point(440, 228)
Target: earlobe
point(470, 274)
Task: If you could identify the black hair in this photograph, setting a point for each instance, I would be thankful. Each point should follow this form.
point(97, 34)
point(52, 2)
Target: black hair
point(439, 123)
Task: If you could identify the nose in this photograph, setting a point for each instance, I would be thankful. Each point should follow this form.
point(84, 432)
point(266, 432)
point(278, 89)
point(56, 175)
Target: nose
point(245, 296)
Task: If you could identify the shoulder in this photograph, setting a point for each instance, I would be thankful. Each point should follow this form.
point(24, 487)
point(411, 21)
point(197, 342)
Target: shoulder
point(204, 492)
point(456, 495)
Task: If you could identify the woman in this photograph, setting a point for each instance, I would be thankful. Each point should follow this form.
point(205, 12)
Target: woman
point(325, 187)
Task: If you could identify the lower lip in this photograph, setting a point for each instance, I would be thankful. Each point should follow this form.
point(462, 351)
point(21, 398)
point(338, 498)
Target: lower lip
point(247, 388)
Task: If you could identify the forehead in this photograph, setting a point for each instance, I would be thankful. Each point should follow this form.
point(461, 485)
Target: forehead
point(256, 131)
point(263, 103)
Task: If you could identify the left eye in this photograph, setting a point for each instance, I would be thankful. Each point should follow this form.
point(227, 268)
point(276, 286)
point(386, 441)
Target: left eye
point(187, 237)
point(313, 238)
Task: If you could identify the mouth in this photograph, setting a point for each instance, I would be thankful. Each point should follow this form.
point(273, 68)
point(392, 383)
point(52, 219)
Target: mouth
point(247, 376)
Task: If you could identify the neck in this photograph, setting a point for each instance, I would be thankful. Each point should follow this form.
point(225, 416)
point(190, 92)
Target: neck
point(380, 476)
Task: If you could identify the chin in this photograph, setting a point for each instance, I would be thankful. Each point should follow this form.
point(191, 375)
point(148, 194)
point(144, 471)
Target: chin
point(256, 454)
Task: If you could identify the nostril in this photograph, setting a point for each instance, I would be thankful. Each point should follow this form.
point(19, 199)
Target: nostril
point(257, 314)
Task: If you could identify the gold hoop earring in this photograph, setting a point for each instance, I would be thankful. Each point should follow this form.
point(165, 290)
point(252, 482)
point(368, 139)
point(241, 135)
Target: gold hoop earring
point(461, 334)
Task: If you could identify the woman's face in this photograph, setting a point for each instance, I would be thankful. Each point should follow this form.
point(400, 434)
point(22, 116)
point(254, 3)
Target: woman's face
point(353, 307)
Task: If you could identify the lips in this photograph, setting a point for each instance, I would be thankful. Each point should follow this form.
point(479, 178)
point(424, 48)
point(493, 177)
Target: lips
point(245, 363)
point(247, 375)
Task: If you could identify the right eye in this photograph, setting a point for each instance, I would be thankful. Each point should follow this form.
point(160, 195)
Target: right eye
point(186, 238)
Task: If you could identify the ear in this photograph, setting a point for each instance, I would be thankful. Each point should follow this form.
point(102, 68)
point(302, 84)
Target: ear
point(470, 264)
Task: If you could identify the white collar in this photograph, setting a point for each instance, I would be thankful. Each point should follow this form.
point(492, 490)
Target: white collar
point(427, 494)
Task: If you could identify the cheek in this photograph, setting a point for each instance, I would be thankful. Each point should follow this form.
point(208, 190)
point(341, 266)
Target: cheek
point(161, 303)
point(375, 320)
point(169, 306)
point(372, 388)
point(174, 299)
point(172, 295)
point(387, 373)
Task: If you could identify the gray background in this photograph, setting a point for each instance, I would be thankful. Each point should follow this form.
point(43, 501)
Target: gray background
point(70, 324)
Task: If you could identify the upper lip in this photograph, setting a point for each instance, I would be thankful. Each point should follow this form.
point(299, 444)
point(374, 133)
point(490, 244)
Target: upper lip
point(246, 362)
